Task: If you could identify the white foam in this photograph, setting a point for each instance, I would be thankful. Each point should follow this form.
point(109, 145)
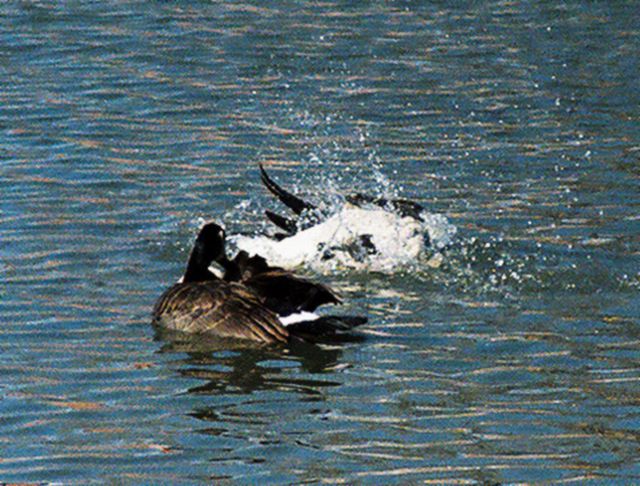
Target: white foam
point(398, 241)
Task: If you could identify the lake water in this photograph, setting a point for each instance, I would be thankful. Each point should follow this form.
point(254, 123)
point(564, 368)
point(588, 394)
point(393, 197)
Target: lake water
point(125, 124)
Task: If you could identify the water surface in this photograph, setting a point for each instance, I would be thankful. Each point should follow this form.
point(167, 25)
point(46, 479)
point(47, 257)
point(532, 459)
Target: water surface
point(124, 124)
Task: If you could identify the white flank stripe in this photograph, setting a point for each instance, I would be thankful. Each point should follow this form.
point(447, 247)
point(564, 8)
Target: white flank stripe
point(302, 316)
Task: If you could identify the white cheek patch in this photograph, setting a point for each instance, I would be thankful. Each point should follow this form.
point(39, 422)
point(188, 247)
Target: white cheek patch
point(213, 269)
point(216, 271)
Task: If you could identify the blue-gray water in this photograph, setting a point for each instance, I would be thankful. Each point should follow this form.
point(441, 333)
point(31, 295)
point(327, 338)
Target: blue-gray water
point(124, 123)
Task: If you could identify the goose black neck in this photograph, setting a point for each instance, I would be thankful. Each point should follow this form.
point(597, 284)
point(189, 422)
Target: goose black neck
point(198, 265)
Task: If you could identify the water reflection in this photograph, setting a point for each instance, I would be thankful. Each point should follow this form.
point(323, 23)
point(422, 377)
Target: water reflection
point(254, 404)
point(239, 367)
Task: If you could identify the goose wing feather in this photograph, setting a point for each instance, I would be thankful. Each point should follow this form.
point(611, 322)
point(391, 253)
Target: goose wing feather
point(294, 203)
point(285, 293)
point(218, 308)
point(287, 224)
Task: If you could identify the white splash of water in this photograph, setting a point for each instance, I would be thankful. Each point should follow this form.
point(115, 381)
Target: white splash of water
point(337, 242)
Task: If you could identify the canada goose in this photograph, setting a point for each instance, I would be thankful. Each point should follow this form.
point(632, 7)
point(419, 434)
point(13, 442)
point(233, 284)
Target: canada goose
point(312, 216)
point(204, 303)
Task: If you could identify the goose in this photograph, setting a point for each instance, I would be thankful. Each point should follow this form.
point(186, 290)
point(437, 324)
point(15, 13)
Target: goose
point(309, 215)
point(366, 234)
point(245, 304)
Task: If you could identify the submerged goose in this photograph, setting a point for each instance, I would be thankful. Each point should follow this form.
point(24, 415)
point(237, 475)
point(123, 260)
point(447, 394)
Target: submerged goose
point(309, 215)
point(365, 234)
point(248, 303)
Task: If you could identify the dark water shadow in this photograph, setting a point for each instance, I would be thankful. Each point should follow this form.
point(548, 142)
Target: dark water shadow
point(241, 367)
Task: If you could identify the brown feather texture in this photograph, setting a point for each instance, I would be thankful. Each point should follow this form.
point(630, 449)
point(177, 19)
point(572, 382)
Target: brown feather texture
point(216, 307)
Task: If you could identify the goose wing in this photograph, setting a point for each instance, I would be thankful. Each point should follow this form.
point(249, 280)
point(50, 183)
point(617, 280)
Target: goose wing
point(404, 207)
point(218, 308)
point(285, 293)
point(286, 224)
point(294, 203)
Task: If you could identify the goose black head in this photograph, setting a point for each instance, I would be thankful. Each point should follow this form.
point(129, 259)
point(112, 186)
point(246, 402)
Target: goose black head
point(211, 240)
point(208, 247)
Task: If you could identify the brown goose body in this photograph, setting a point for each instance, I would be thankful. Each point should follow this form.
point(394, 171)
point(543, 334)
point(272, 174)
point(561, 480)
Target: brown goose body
point(218, 308)
point(202, 303)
